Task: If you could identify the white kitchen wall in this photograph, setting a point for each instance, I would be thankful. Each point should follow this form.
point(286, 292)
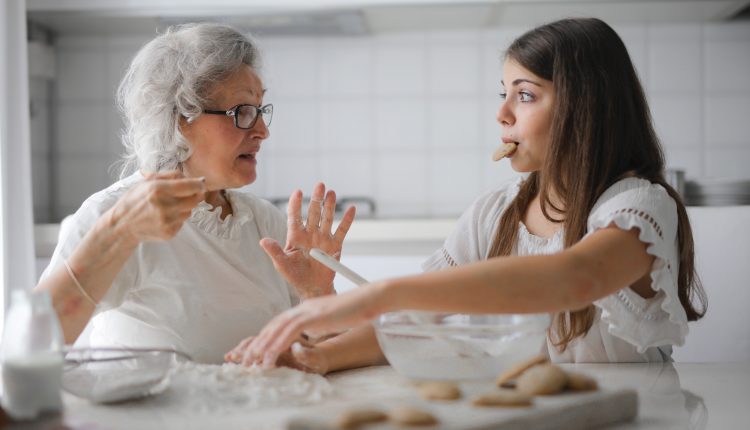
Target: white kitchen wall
point(405, 118)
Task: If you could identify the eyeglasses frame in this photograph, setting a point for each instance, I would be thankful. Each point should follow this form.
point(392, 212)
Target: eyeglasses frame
point(234, 111)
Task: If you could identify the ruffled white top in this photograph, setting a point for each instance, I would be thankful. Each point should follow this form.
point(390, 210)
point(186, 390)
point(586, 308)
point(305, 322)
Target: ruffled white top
point(627, 327)
point(201, 292)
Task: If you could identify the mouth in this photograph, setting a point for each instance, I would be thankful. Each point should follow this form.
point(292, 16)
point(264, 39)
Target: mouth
point(247, 156)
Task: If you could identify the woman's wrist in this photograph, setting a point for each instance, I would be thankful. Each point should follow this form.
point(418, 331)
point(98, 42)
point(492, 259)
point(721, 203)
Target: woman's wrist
point(383, 294)
point(312, 292)
point(112, 222)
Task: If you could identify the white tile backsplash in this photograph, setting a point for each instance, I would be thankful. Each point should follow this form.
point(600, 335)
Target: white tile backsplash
point(728, 66)
point(453, 68)
point(408, 118)
point(82, 128)
point(79, 176)
point(400, 124)
point(401, 184)
point(345, 124)
point(291, 69)
point(692, 161)
point(400, 69)
point(345, 67)
point(730, 162)
point(453, 122)
point(82, 75)
point(295, 125)
point(727, 120)
point(349, 174)
point(675, 66)
point(678, 119)
point(454, 182)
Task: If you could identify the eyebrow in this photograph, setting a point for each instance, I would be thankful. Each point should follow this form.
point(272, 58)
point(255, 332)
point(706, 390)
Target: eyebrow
point(518, 81)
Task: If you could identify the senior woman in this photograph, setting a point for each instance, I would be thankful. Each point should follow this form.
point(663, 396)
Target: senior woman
point(171, 256)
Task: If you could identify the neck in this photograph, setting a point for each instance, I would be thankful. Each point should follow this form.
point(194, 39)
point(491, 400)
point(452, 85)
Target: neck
point(218, 198)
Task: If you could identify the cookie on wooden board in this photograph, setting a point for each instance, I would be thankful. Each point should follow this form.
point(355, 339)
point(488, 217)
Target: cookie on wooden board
point(517, 369)
point(439, 390)
point(502, 398)
point(541, 380)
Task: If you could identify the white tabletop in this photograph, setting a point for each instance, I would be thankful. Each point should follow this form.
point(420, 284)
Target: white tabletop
point(679, 396)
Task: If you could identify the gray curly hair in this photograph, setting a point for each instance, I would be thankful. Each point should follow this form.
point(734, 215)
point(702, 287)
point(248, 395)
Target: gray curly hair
point(171, 78)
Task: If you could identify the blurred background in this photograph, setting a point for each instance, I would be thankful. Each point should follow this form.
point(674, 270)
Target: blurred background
point(389, 102)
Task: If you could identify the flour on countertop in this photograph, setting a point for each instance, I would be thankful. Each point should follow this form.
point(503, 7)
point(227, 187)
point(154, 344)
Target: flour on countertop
point(212, 388)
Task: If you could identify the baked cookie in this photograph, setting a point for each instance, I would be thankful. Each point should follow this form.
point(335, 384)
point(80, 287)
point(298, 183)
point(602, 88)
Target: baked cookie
point(543, 379)
point(355, 418)
point(503, 151)
point(411, 417)
point(439, 390)
point(517, 369)
point(502, 398)
point(581, 382)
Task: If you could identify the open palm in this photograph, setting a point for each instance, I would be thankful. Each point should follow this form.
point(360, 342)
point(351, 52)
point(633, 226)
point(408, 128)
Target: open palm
point(309, 277)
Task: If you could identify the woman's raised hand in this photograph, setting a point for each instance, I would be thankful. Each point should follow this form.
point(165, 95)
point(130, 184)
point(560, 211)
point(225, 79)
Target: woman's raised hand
point(309, 277)
point(155, 209)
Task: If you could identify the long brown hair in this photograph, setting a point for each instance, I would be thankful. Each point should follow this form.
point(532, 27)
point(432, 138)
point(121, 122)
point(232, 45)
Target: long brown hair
point(601, 131)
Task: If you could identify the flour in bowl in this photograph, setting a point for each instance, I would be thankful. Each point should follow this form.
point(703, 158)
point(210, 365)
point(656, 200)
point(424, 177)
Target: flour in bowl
point(212, 388)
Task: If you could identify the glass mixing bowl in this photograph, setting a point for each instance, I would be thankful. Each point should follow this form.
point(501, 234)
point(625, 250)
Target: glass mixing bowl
point(106, 375)
point(443, 346)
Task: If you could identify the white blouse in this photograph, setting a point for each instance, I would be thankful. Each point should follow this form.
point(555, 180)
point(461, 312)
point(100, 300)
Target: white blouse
point(627, 327)
point(200, 292)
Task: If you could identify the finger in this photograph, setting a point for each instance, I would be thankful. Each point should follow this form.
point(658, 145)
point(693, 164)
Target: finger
point(185, 205)
point(316, 203)
point(294, 212)
point(286, 335)
point(236, 353)
point(168, 174)
point(308, 359)
point(183, 187)
point(329, 209)
point(346, 222)
point(259, 346)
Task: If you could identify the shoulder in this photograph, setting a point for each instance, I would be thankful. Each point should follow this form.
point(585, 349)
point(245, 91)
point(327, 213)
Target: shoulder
point(637, 198)
point(103, 200)
point(494, 202)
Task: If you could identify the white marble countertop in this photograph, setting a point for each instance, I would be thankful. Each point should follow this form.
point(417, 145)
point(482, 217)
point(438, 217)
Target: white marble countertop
point(674, 396)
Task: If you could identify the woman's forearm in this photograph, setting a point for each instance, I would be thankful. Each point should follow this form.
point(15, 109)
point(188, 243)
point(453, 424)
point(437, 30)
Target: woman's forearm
point(594, 268)
point(356, 348)
point(95, 263)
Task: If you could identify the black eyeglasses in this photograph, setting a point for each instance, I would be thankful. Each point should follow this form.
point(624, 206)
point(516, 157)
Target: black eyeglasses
point(245, 116)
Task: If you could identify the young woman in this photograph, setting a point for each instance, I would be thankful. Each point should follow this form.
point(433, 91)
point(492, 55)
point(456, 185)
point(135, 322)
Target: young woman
point(593, 235)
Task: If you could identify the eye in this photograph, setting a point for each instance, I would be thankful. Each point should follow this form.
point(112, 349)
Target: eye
point(524, 96)
point(503, 95)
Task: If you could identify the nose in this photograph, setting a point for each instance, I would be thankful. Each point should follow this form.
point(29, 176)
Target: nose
point(504, 115)
point(260, 129)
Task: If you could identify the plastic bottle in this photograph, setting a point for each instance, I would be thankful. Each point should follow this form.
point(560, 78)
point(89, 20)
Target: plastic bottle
point(31, 356)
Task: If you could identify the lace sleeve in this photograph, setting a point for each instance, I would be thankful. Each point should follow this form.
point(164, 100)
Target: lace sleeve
point(659, 320)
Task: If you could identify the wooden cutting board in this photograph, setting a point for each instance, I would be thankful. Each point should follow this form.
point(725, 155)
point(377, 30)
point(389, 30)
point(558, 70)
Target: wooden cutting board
point(570, 411)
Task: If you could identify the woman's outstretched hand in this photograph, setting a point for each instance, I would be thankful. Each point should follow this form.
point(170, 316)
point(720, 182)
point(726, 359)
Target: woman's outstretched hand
point(318, 315)
point(307, 276)
point(302, 355)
